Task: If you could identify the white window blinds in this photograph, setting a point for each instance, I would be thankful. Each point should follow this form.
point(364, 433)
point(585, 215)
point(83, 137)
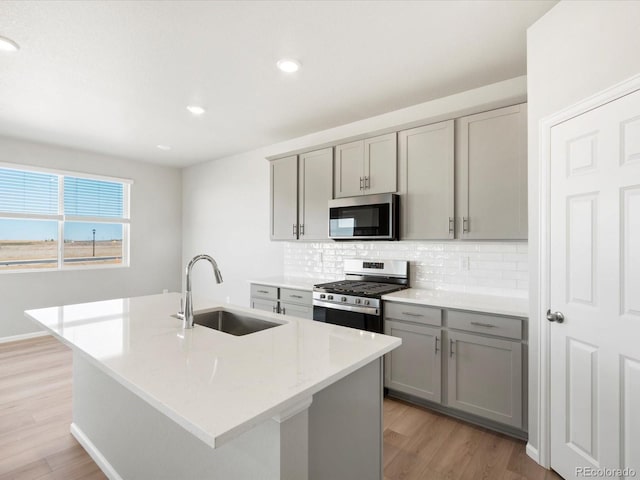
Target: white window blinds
point(28, 192)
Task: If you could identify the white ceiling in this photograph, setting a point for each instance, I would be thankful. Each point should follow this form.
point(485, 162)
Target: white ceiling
point(115, 77)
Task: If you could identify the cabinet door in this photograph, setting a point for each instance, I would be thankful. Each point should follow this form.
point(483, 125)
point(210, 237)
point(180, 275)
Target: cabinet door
point(349, 170)
point(415, 366)
point(492, 174)
point(284, 198)
point(426, 182)
point(315, 174)
point(265, 305)
point(301, 311)
point(381, 164)
point(485, 377)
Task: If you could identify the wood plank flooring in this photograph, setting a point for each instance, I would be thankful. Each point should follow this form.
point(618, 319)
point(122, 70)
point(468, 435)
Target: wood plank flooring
point(35, 414)
point(422, 444)
point(35, 443)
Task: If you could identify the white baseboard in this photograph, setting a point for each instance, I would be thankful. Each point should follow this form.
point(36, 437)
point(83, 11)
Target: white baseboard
point(94, 453)
point(24, 336)
point(533, 453)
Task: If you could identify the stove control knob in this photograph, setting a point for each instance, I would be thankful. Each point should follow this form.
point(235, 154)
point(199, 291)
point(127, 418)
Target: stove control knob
point(330, 297)
point(344, 299)
point(322, 295)
point(358, 300)
point(366, 302)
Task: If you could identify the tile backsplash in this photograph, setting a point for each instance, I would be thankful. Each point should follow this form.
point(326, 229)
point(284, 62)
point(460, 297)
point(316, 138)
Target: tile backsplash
point(494, 268)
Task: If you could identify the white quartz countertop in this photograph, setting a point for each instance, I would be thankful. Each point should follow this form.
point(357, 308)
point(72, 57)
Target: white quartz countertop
point(213, 384)
point(299, 283)
point(512, 306)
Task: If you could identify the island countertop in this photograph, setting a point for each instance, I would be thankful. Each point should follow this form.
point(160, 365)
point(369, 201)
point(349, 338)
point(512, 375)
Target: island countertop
point(213, 384)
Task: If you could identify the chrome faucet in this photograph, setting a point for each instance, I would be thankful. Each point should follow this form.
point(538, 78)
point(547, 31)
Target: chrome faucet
point(187, 315)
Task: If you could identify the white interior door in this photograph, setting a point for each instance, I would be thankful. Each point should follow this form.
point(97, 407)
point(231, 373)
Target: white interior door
point(595, 284)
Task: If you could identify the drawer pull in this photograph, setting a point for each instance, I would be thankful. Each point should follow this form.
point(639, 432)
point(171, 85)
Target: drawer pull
point(480, 324)
point(295, 296)
point(409, 314)
point(275, 309)
point(262, 291)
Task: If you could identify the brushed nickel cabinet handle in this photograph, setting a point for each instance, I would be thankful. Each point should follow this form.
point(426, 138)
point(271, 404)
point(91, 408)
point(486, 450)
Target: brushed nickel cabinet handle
point(367, 182)
point(262, 291)
point(295, 296)
point(409, 314)
point(451, 224)
point(302, 229)
point(275, 309)
point(451, 352)
point(361, 183)
point(465, 224)
point(437, 345)
point(480, 324)
point(283, 311)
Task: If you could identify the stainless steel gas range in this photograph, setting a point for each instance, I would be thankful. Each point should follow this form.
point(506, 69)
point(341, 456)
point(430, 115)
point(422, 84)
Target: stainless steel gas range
point(355, 302)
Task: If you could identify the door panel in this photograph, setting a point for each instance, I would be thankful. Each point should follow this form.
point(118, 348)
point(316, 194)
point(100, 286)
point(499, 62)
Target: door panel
point(485, 377)
point(381, 164)
point(425, 169)
point(316, 188)
point(595, 283)
point(415, 366)
point(284, 198)
point(349, 170)
point(491, 169)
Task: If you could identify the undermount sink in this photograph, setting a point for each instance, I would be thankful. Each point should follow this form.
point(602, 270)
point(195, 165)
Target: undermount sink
point(232, 323)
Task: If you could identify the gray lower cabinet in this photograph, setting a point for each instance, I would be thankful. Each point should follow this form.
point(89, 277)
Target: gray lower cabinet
point(485, 377)
point(264, 305)
point(463, 361)
point(491, 174)
point(286, 301)
point(415, 368)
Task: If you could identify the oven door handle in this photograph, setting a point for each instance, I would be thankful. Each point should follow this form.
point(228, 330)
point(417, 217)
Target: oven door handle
point(347, 308)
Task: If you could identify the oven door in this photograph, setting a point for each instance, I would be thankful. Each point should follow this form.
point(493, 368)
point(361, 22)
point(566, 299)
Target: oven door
point(359, 320)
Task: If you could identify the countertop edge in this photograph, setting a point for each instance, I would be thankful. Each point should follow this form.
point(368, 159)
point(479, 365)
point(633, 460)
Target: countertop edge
point(453, 305)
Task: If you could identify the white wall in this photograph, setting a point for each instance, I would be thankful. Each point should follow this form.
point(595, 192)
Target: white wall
point(156, 201)
point(226, 201)
point(576, 50)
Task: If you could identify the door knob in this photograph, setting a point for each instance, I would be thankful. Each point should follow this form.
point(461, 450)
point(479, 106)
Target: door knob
point(555, 316)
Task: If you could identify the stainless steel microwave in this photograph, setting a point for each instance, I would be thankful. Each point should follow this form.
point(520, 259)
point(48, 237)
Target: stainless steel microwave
point(367, 217)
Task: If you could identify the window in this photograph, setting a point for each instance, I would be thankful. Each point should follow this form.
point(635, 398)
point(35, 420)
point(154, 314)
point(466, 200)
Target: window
point(53, 220)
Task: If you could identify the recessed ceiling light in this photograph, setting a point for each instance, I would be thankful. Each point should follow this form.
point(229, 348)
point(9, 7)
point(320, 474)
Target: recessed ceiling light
point(164, 147)
point(289, 65)
point(195, 109)
point(8, 45)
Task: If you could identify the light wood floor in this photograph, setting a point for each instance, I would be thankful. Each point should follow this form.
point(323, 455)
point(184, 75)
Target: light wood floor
point(35, 443)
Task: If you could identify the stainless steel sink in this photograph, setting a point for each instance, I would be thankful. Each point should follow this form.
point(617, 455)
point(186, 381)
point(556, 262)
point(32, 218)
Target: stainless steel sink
point(232, 323)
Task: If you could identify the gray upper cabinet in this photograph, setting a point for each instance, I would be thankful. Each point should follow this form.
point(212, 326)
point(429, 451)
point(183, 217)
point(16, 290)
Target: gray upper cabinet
point(491, 170)
point(426, 182)
point(284, 198)
point(366, 167)
point(314, 192)
point(300, 191)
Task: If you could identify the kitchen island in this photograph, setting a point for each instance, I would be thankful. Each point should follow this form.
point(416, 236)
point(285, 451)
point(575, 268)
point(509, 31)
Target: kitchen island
point(302, 400)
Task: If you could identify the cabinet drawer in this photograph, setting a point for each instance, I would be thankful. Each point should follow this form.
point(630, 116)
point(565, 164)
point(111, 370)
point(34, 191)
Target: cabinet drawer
point(295, 296)
point(413, 313)
point(264, 305)
point(301, 311)
point(264, 291)
point(481, 323)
